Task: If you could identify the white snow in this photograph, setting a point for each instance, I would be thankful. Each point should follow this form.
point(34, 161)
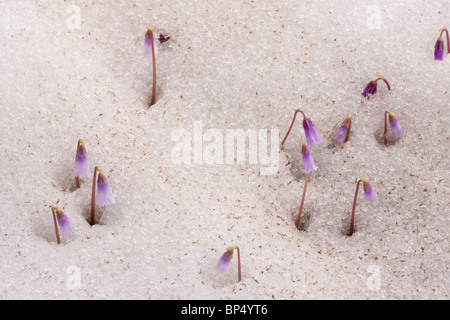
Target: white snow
point(70, 70)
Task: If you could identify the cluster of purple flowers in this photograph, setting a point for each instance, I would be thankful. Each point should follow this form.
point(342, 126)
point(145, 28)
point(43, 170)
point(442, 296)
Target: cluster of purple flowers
point(81, 170)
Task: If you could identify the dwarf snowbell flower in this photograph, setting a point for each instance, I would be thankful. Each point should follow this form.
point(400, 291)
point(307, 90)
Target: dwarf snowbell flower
point(312, 136)
point(81, 169)
point(439, 46)
point(308, 160)
point(224, 261)
point(395, 125)
point(439, 49)
point(371, 87)
point(64, 223)
point(149, 43)
point(370, 195)
point(344, 129)
point(104, 192)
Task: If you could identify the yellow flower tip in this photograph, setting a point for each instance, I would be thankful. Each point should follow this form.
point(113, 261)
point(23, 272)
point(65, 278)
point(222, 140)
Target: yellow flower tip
point(350, 116)
point(56, 209)
point(303, 140)
point(99, 170)
point(365, 179)
point(82, 142)
point(231, 248)
point(391, 113)
point(149, 29)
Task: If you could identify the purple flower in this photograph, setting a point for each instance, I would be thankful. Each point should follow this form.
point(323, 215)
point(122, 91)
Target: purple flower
point(149, 42)
point(81, 169)
point(439, 49)
point(224, 261)
point(64, 223)
point(104, 192)
point(163, 38)
point(342, 132)
point(395, 125)
point(371, 89)
point(308, 160)
point(369, 193)
point(312, 136)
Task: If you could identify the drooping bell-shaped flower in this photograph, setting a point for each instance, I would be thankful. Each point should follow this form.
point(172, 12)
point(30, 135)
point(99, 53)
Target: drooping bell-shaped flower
point(312, 136)
point(104, 192)
point(64, 223)
point(344, 129)
point(308, 160)
point(369, 193)
point(439, 46)
point(439, 49)
point(81, 169)
point(371, 87)
point(149, 42)
point(224, 261)
point(395, 125)
point(163, 38)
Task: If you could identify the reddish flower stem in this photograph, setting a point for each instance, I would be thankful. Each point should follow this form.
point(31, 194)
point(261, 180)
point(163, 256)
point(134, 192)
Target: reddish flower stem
point(77, 179)
point(239, 264)
point(93, 198)
point(303, 201)
point(352, 222)
point(448, 41)
point(385, 126)
point(154, 68)
point(56, 226)
point(385, 81)
point(292, 123)
point(348, 131)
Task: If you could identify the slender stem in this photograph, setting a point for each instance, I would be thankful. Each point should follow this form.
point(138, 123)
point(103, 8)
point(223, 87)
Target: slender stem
point(385, 81)
point(93, 197)
point(239, 264)
point(385, 127)
point(348, 130)
point(352, 222)
point(292, 123)
point(303, 201)
point(448, 41)
point(77, 179)
point(56, 226)
point(154, 69)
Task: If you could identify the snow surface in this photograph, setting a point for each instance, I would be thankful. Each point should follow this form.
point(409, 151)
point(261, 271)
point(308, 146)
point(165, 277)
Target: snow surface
point(71, 70)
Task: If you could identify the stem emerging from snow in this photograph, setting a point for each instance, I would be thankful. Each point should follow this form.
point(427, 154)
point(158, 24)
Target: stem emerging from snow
point(352, 222)
point(93, 198)
point(154, 67)
point(239, 263)
point(297, 223)
point(56, 225)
